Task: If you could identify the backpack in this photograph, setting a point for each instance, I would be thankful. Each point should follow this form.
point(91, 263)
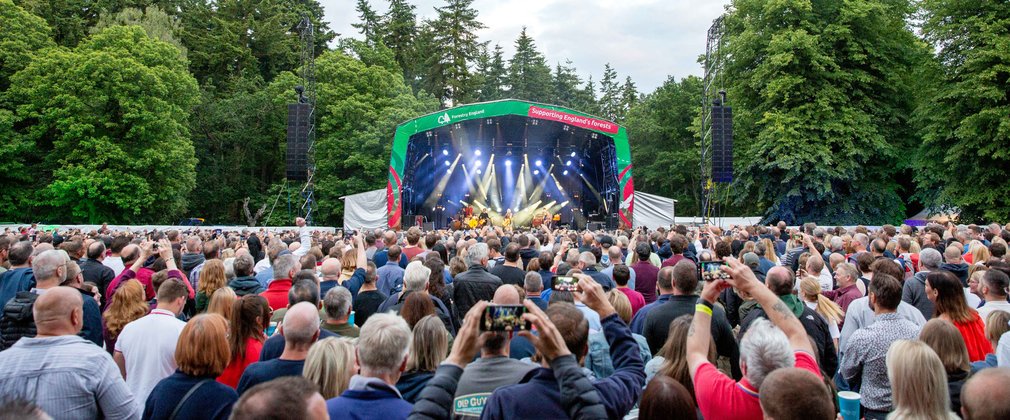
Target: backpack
point(18, 320)
point(906, 265)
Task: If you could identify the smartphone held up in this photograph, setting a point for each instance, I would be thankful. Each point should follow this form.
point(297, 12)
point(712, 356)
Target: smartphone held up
point(506, 318)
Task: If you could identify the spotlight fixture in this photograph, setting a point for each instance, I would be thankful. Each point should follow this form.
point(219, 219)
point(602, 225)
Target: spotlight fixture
point(573, 154)
point(476, 163)
point(479, 172)
point(508, 163)
point(568, 163)
point(539, 162)
point(445, 152)
point(536, 172)
point(476, 152)
point(446, 163)
point(565, 172)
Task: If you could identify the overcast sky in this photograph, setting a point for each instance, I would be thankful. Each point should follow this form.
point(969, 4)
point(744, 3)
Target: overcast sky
point(648, 40)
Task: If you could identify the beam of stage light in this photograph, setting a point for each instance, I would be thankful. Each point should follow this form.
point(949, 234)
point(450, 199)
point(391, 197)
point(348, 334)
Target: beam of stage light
point(524, 216)
point(436, 194)
point(595, 193)
point(540, 186)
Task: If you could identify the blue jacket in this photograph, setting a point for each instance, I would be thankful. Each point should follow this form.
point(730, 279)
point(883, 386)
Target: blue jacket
point(212, 401)
point(382, 257)
point(538, 394)
point(603, 279)
point(92, 330)
point(14, 281)
point(378, 404)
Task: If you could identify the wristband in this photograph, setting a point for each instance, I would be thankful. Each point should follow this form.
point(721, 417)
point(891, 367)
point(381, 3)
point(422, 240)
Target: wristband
point(703, 308)
point(702, 301)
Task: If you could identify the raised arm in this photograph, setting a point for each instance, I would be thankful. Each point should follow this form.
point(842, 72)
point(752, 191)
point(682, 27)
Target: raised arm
point(779, 314)
point(699, 336)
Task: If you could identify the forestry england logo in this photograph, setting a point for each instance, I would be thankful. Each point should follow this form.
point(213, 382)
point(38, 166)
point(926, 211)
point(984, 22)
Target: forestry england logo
point(444, 118)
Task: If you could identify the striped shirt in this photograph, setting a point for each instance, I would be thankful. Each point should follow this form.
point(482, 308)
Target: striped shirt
point(68, 377)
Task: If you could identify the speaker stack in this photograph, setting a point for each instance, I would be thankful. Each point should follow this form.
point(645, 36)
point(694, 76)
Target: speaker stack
point(722, 144)
point(298, 141)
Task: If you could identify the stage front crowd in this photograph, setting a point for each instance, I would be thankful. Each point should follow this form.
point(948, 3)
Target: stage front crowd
point(383, 324)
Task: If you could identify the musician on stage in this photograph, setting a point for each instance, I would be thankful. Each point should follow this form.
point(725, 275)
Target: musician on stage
point(507, 221)
point(484, 218)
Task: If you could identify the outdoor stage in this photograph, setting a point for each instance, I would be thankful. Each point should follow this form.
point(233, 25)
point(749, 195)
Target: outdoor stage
point(493, 157)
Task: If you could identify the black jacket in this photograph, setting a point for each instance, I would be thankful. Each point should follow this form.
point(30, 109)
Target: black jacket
point(98, 274)
point(816, 328)
point(470, 287)
point(17, 320)
point(657, 328)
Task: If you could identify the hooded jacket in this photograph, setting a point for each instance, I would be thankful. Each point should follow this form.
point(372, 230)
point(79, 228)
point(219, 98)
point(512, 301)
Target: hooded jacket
point(913, 292)
point(246, 285)
point(960, 270)
point(14, 281)
point(190, 260)
point(813, 324)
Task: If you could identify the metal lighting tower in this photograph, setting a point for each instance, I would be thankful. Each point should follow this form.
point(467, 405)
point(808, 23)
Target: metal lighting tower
point(307, 95)
point(712, 94)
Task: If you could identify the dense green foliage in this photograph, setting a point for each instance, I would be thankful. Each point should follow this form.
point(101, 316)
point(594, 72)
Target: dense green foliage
point(151, 110)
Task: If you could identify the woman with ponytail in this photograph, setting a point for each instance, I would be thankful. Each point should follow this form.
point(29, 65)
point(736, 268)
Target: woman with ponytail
point(810, 292)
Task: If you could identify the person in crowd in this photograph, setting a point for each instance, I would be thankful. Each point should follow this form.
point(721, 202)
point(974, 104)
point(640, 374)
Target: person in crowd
point(663, 277)
point(193, 255)
point(128, 306)
point(587, 264)
point(250, 317)
point(330, 365)
point(145, 349)
point(616, 257)
point(49, 269)
point(439, 282)
point(538, 395)
point(621, 275)
point(671, 359)
point(684, 285)
point(415, 281)
point(944, 289)
point(115, 258)
point(994, 287)
point(221, 302)
point(92, 330)
point(415, 307)
point(846, 275)
point(598, 357)
point(954, 263)
point(780, 281)
point(428, 347)
point(391, 274)
point(794, 393)
point(66, 376)
point(982, 390)
point(284, 266)
point(665, 398)
point(763, 349)
point(331, 273)
point(20, 277)
point(646, 273)
point(914, 290)
point(474, 284)
point(369, 297)
point(337, 304)
point(533, 285)
point(494, 368)
point(382, 351)
point(413, 247)
point(810, 293)
point(996, 325)
point(289, 397)
point(211, 252)
point(93, 269)
point(863, 354)
point(300, 330)
point(191, 392)
point(137, 269)
point(946, 341)
point(303, 291)
point(917, 382)
point(264, 268)
point(509, 271)
point(860, 315)
point(245, 282)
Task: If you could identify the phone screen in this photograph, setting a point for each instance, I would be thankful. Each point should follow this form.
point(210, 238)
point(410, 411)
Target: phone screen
point(566, 284)
point(504, 318)
point(711, 270)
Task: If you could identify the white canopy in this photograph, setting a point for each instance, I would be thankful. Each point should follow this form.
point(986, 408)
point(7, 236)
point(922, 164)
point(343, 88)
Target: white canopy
point(365, 210)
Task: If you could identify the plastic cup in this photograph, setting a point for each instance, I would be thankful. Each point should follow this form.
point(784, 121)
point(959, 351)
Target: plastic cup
point(848, 404)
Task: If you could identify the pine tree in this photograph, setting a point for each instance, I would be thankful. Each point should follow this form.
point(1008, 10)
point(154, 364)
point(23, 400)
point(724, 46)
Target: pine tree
point(400, 24)
point(566, 85)
point(492, 67)
point(610, 94)
point(629, 97)
point(457, 49)
point(585, 99)
point(529, 77)
point(370, 23)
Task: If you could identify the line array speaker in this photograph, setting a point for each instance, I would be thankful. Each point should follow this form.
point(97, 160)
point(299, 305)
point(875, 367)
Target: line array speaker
point(722, 144)
point(298, 142)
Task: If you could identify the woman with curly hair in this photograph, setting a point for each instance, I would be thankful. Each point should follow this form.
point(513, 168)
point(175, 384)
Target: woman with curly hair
point(128, 304)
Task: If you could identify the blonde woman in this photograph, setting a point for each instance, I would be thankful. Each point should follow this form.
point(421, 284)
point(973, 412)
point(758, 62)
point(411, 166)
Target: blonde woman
point(810, 291)
point(944, 338)
point(770, 254)
point(212, 277)
point(222, 301)
point(979, 253)
point(997, 324)
point(348, 263)
point(128, 305)
point(330, 364)
point(918, 383)
point(428, 348)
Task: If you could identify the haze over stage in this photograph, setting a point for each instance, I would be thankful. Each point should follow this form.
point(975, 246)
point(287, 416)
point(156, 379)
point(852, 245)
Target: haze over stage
point(511, 162)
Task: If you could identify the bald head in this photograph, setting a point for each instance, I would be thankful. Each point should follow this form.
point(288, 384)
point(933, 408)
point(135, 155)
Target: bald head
point(615, 254)
point(301, 324)
point(780, 280)
point(506, 295)
point(984, 396)
point(59, 311)
point(330, 268)
point(952, 255)
point(389, 238)
point(130, 253)
point(49, 268)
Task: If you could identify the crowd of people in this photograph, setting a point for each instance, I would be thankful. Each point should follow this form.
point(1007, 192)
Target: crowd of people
point(684, 322)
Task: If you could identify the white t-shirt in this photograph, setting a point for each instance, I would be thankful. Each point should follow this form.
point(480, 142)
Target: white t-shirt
point(832, 327)
point(148, 345)
point(972, 299)
point(115, 263)
point(992, 306)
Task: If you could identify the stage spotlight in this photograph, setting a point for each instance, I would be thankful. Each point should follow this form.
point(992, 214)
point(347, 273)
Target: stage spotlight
point(568, 163)
point(446, 163)
point(476, 163)
point(478, 172)
point(565, 172)
point(573, 154)
point(476, 152)
point(508, 163)
point(539, 162)
point(445, 152)
point(536, 172)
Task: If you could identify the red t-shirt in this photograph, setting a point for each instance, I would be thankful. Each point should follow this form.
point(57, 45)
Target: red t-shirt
point(277, 293)
point(637, 300)
point(719, 397)
point(412, 251)
point(233, 372)
point(974, 338)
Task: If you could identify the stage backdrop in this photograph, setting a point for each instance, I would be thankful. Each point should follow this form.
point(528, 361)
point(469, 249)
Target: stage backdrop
point(365, 210)
point(394, 186)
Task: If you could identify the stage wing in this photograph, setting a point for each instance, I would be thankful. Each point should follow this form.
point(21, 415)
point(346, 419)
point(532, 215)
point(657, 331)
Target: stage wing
point(365, 210)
